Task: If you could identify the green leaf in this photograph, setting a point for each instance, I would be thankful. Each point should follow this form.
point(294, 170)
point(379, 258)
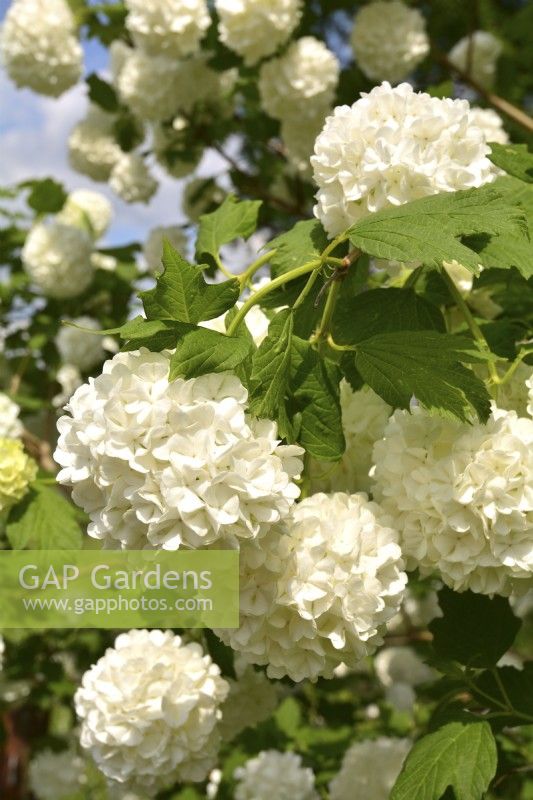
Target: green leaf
point(44, 520)
point(302, 243)
point(381, 311)
point(47, 196)
point(517, 685)
point(513, 159)
point(199, 351)
point(101, 93)
point(182, 294)
point(459, 755)
point(426, 365)
point(474, 630)
point(427, 230)
point(315, 389)
point(233, 219)
point(271, 367)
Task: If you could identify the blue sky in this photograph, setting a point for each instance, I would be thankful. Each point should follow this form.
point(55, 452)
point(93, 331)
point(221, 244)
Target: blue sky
point(33, 136)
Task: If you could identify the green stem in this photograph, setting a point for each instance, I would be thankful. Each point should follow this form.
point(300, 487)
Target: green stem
point(342, 348)
point(474, 328)
point(307, 288)
point(256, 297)
point(329, 308)
point(223, 269)
point(514, 366)
point(244, 277)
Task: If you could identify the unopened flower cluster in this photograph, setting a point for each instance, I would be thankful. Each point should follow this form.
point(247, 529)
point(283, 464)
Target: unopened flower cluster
point(319, 591)
point(149, 710)
point(369, 769)
point(39, 46)
point(478, 56)
point(389, 40)
point(255, 29)
point(274, 774)
point(165, 464)
point(461, 496)
point(392, 146)
point(17, 471)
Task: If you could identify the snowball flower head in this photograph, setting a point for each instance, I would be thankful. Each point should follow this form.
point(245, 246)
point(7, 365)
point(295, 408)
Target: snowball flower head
point(17, 471)
point(170, 27)
point(274, 774)
point(10, 425)
point(132, 180)
point(153, 247)
point(320, 593)
point(149, 710)
point(300, 81)
point(490, 123)
point(401, 665)
point(172, 464)
point(78, 347)
point(461, 496)
point(69, 378)
point(255, 29)
point(93, 149)
point(57, 258)
point(54, 776)
point(393, 146)
point(369, 769)
point(148, 84)
point(89, 210)
point(389, 40)
point(364, 418)
point(39, 47)
point(252, 699)
point(482, 53)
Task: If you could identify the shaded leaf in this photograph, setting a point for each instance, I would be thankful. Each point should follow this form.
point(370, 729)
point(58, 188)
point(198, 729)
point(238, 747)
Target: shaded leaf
point(44, 520)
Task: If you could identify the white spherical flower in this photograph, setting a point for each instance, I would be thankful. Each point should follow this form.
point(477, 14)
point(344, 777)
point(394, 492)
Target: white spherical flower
point(159, 464)
point(39, 48)
point(320, 593)
point(88, 210)
point(170, 27)
point(17, 472)
point(79, 347)
point(273, 774)
point(477, 55)
point(132, 180)
point(393, 146)
point(149, 710)
point(401, 665)
point(389, 40)
point(54, 776)
point(252, 699)
point(300, 81)
point(153, 247)
point(490, 123)
point(461, 496)
point(369, 769)
point(364, 418)
point(103, 261)
point(10, 425)
point(93, 149)
point(255, 29)
point(417, 611)
point(149, 84)
point(57, 258)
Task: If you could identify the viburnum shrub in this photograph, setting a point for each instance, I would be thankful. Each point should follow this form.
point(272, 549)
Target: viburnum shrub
point(328, 367)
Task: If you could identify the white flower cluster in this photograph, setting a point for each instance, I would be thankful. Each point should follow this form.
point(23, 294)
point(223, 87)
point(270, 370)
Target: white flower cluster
point(490, 123)
point(39, 48)
point(319, 593)
point(255, 29)
point(369, 769)
point(89, 210)
point(54, 776)
point(252, 699)
point(392, 146)
point(255, 320)
point(93, 149)
point(273, 774)
point(170, 27)
point(69, 378)
point(478, 55)
point(149, 710)
point(153, 247)
point(131, 179)
point(80, 348)
point(175, 464)
point(301, 82)
point(10, 424)
point(57, 258)
point(461, 496)
point(364, 418)
point(389, 40)
point(399, 670)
